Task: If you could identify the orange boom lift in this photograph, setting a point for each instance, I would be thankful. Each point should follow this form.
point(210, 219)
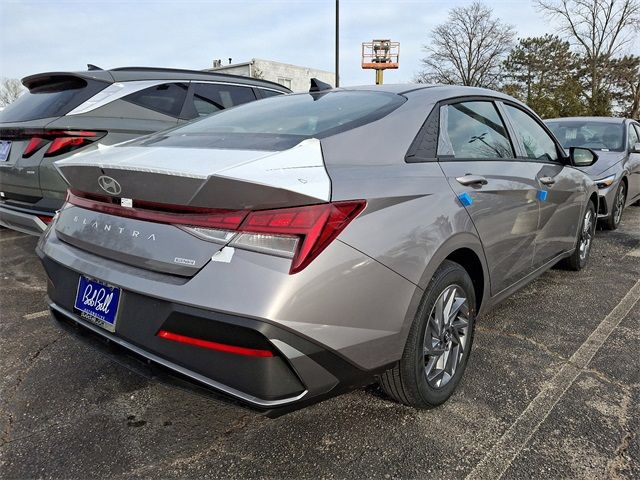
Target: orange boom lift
point(379, 55)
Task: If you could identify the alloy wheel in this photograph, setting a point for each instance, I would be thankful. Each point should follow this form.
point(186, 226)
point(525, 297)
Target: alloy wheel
point(619, 204)
point(586, 235)
point(446, 335)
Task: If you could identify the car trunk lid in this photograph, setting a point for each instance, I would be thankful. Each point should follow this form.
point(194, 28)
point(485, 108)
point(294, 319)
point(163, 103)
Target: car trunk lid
point(136, 204)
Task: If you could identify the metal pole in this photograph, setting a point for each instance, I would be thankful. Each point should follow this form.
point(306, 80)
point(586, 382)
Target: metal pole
point(379, 74)
point(337, 43)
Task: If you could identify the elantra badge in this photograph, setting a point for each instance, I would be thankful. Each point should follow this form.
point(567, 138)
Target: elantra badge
point(109, 185)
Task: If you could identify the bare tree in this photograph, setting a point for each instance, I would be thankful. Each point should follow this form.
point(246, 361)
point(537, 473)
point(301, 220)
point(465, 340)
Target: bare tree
point(601, 29)
point(468, 49)
point(10, 89)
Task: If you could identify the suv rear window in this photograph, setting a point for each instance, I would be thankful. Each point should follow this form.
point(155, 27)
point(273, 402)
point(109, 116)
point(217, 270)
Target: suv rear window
point(52, 96)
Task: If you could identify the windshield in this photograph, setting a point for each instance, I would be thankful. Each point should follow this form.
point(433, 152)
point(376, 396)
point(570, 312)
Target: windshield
point(282, 121)
point(605, 136)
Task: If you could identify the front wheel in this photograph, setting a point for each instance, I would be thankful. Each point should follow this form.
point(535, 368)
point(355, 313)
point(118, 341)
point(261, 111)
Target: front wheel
point(578, 259)
point(439, 342)
point(613, 220)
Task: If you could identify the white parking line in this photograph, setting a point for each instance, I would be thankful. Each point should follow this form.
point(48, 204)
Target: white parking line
point(32, 316)
point(505, 450)
point(634, 253)
point(16, 237)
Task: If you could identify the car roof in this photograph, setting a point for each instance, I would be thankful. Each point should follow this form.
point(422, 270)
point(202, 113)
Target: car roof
point(431, 89)
point(588, 119)
point(128, 74)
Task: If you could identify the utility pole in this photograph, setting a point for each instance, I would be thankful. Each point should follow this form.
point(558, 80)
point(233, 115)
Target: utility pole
point(337, 43)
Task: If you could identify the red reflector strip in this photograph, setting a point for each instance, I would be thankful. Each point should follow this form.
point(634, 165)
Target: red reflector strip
point(221, 347)
point(45, 218)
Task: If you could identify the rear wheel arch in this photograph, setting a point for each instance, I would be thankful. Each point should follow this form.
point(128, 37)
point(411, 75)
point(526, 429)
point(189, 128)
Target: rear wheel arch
point(470, 261)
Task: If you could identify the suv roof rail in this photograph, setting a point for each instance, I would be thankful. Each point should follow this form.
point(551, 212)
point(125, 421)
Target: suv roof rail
point(196, 72)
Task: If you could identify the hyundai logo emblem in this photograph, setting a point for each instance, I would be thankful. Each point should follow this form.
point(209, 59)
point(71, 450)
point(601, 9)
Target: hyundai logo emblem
point(109, 185)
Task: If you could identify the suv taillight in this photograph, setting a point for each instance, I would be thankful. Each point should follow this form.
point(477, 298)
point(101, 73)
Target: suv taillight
point(60, 141)
point(299, 233)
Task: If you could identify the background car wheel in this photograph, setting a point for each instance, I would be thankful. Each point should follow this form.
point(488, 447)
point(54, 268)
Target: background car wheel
point(580, 255)
point(613, 220)
point(437, 349)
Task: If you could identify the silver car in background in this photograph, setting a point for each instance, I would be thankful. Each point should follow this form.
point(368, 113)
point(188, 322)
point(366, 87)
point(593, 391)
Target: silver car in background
point(287, 250)
point(617, 173)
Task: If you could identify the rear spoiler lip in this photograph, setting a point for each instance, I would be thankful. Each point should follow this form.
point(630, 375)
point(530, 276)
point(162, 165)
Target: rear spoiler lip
point(93, 75)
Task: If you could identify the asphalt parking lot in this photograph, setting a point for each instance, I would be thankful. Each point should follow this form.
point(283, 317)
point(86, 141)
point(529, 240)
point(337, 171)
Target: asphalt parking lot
point(552, 389)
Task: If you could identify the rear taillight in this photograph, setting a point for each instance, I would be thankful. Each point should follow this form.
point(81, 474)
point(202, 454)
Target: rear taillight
point(299, 233)
point(33, 146)
point(60, 141)
point(303, 232)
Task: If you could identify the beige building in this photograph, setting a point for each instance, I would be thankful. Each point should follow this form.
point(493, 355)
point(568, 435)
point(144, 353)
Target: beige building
point(293, 77)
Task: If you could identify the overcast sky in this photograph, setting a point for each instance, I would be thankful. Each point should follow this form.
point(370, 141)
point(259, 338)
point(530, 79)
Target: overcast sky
point(39, 35)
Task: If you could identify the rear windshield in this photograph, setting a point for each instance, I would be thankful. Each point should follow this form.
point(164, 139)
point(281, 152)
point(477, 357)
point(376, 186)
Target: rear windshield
point(603, 136)
point(53, 96)
point(283, 121)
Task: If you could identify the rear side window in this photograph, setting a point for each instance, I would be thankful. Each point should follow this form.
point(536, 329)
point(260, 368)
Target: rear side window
point(633, 137)
point(473, 130)
point(537, 143)
point(167, 98)
point(269, 93)
point(52, 96)
point(209, 98)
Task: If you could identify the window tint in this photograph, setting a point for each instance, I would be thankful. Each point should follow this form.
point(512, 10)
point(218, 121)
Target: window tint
point(473, 130)
point(209, 98)
point(269, 93)
point(633, 137)
point(167, 98)
point(51, 97)
point(537, 143)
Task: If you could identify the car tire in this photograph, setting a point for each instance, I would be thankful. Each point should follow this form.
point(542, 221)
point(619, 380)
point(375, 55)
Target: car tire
point(414, 379)
point(580, 255)
point(613, 220)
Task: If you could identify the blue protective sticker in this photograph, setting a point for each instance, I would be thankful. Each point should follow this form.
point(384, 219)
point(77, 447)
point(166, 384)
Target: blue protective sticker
point(465, 199)
point(542, 195)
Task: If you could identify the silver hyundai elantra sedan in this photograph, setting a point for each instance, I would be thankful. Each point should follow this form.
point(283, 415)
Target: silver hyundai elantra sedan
point(287, 250)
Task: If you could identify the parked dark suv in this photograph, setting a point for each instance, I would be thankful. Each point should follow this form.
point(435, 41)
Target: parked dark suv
point(65, 112)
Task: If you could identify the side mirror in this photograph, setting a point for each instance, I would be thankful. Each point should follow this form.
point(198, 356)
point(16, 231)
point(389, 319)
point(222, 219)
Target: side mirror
point(582, 157)
point(636, 148)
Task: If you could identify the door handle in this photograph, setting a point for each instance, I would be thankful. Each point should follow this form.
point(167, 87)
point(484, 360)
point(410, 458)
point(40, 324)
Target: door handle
point(469, 179)
point(547, 180)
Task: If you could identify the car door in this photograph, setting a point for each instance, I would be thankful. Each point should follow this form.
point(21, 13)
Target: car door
point(559, 188)
point(498, 191)
point(633, 163)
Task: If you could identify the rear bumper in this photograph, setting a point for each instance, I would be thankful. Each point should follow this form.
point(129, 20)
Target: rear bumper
point(22, 220)
point(299, 373)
